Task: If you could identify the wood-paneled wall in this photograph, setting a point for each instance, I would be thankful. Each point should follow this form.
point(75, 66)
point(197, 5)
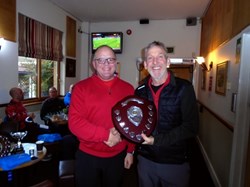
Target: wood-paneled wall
point(71, 37)
point(223, 20)
point(8, 20)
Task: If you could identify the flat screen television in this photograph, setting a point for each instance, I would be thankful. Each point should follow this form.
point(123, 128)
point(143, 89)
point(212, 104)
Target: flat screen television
point(112, 39)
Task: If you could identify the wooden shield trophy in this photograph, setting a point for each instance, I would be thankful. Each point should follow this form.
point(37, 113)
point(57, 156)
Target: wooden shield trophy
point(134, 115)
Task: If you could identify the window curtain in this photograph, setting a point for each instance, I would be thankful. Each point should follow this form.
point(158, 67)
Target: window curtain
point(38, 40)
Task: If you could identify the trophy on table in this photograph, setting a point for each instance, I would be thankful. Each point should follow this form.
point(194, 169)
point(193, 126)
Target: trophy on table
point(18, 136)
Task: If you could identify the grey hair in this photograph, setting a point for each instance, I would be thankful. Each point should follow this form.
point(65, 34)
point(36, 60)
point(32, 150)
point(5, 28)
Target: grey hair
point(157, 44)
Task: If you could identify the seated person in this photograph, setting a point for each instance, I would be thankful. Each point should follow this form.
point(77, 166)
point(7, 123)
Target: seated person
point(68, 95)
point(51, 106)
point(15, 110)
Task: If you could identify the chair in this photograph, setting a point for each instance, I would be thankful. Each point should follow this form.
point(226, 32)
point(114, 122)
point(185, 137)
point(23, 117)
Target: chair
point(7, 127)
point(53, 150)
point(69, 146)
point(33, 132)
point(66, 173)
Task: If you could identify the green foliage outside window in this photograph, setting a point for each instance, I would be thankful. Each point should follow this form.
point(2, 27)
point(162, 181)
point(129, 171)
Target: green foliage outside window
point(30, 76)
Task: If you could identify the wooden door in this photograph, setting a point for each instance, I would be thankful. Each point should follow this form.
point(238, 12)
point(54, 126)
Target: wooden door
point(184, 71)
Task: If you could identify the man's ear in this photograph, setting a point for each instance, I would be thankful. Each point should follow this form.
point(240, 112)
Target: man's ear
point(168, 62)
point(93, 65)
point(145, 64)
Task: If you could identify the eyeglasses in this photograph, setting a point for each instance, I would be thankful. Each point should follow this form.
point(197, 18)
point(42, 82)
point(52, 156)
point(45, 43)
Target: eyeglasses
point(103, 60)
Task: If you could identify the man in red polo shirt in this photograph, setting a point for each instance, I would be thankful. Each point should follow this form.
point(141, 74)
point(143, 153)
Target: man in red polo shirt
point(15, 110)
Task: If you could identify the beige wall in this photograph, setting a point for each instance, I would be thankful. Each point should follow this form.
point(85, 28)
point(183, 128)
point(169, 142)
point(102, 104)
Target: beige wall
point(216, 145)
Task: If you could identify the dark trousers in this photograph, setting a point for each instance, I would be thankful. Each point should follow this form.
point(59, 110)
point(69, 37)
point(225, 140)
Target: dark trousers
point(94, 171)
point(152, 174)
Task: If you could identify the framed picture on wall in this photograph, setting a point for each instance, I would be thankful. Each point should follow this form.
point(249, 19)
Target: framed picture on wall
point(221, 78)
point(70, 67)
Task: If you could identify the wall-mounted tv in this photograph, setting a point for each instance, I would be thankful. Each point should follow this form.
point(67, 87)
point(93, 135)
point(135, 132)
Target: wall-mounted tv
point(112, 39)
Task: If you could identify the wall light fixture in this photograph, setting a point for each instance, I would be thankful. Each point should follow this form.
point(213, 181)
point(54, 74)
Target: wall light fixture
point(201, 61)
point(80, 30)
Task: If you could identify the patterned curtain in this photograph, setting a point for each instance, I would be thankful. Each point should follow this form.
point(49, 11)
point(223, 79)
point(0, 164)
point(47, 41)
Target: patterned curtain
point(38, 40)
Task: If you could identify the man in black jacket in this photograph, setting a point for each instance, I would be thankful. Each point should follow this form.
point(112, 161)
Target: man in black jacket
point(163, 157)
point(51, 106)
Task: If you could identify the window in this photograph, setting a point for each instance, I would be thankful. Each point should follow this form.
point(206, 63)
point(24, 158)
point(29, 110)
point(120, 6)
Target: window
point(36, 76)
point(40, 53)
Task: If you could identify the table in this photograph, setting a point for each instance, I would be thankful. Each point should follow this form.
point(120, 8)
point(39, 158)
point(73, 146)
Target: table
point(60, 122)
point(40, 155)
point(8, 178)
point(60, 126)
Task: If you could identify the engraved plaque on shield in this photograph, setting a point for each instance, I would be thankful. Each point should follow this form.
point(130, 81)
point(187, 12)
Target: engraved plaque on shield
point(134, 115)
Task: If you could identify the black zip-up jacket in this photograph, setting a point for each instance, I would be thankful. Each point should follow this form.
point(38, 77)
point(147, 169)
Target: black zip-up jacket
point(177, 121)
